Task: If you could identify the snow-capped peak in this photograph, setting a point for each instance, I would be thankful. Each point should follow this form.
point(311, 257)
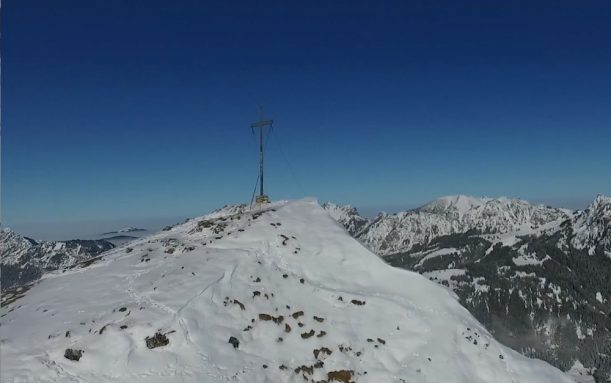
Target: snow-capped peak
point(592, 226)
point(459, 204)
point(601, 205)
point(273, 295)
point(13, 246)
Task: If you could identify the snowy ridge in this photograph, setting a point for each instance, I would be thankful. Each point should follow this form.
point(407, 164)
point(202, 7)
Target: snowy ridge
point(296, 296)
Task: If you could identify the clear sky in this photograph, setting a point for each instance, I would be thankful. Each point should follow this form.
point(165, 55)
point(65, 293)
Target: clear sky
point(135, 110)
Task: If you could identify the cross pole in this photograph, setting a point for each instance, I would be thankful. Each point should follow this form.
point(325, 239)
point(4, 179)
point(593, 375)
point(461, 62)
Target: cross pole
point(261, 124)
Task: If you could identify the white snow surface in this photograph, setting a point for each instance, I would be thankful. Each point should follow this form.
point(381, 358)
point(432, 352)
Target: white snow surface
point(189, 292)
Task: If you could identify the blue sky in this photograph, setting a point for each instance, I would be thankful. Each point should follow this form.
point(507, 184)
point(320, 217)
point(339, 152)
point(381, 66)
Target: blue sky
point(135, 110)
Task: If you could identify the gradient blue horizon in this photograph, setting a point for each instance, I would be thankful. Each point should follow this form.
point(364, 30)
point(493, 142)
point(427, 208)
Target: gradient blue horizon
point(117, 110)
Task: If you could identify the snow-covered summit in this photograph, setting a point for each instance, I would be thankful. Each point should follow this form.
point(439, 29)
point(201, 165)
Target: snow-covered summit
point(273, 295)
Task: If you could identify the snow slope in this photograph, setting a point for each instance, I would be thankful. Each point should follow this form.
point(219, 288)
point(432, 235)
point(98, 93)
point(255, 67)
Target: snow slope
point(210, 279)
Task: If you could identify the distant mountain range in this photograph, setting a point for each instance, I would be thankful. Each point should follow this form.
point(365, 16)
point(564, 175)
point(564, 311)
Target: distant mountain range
point(399, 232)
point(119, 240)
point(125, 230)
point(24, 260)
point(538, 277)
